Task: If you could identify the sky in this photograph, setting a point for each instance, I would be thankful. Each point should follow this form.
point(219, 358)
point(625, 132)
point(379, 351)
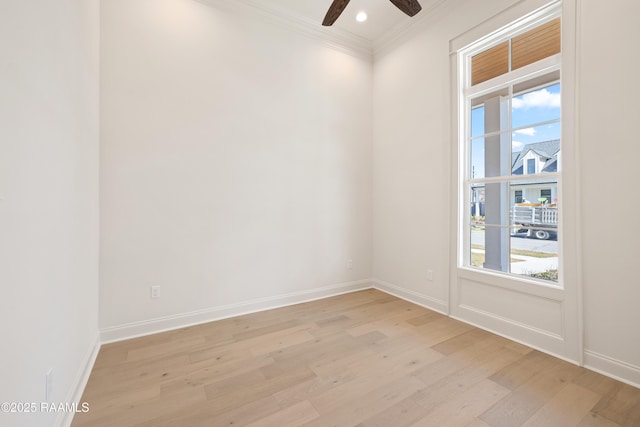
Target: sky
point(528, 112)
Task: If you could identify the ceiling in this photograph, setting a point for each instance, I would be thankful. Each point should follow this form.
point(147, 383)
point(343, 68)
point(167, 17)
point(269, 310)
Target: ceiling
point(383, 15)
point(385, 22)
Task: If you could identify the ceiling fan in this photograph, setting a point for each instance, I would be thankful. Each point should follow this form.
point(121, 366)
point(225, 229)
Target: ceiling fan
point(410, 7)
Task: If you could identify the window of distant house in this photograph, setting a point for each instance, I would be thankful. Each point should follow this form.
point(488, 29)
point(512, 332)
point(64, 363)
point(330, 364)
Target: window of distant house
point(510, 149)
point(545, 195)
point(518, 196)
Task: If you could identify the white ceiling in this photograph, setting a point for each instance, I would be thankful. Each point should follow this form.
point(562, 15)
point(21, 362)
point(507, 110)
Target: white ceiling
point(385, 23)
point(383, 15)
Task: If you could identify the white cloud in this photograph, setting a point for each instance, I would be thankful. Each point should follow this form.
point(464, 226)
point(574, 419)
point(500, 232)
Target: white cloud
point(540, 98)
point(516, 144)
point(527, 131)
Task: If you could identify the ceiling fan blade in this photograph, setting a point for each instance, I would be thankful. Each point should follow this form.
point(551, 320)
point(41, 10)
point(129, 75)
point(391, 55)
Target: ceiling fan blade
point(334, 12)
point(410, 7)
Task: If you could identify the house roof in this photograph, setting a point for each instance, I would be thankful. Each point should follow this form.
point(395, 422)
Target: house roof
point(547, 150)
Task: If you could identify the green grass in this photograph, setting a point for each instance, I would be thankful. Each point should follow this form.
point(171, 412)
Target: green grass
point(477, 259)
point(546, 275)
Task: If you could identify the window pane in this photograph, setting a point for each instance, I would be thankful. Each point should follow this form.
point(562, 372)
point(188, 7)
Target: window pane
point(477, 121)
point(477, 246)
point(477, 159)
point(491, 63)
point(534, 193)
point(489, 248)
point(532, 135)
point(496, 205)
point(477, 204)
point(534, 253)
point(536, 106)
point(534, 45)
point(536, 149)
point(535, 216)
point(491, 150)
point(490, 220)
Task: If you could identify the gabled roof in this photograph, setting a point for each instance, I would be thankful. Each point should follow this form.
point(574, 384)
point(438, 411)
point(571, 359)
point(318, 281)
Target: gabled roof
point(547, 150)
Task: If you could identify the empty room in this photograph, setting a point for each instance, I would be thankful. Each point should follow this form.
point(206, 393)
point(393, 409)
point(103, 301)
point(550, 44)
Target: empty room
point(319, 213)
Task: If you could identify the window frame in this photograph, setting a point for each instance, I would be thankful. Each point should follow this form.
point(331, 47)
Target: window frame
point(468, 92)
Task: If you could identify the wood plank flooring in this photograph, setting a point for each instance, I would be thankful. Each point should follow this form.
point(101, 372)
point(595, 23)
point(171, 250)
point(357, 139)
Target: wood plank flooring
point(360, 359)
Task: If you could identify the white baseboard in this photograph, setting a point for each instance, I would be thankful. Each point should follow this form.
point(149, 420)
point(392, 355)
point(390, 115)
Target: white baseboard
point(616, 369)
point(594, 361)
point(162, 324)
point(414, 297)
point(613, 368)
point(64, 419)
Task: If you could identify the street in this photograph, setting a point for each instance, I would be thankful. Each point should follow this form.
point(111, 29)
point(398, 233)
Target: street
point(521, 263)
point(523, 243)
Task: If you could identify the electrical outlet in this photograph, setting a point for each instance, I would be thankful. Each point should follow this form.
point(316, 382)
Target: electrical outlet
point(350, 264)
point(155, 292)
point(430, 275)
point(48, 385)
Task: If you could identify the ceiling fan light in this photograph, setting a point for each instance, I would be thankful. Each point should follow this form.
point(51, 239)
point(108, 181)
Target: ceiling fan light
point(361, 16)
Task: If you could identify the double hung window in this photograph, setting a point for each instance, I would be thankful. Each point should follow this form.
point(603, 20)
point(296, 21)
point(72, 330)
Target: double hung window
point(511, 150)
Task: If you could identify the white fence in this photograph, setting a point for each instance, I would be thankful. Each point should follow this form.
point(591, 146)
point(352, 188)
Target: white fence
point(535, 214)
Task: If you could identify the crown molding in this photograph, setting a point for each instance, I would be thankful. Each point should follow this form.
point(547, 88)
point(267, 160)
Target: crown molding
point(334, 38)
point(403, 31)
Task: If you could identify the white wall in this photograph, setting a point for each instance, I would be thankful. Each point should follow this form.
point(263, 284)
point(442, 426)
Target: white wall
point(609, 112)
point(235, 162)
point(48, 199)
point(412, 189)
point(411, 152)
point(237, 165)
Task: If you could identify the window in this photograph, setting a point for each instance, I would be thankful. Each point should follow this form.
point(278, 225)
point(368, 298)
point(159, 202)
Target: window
point(510, 148)
point(531, 166)
point(545, 196)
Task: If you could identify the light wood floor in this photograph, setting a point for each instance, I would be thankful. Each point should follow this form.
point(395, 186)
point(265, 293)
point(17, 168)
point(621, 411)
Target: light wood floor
point(361, 359)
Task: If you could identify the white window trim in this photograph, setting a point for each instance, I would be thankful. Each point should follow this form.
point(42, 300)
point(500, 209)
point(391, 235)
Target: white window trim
point(570, 298)
point(527, 73)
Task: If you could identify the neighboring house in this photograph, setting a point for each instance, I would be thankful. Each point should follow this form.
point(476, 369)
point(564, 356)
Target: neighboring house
point(538, 157)
point(534, 158)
